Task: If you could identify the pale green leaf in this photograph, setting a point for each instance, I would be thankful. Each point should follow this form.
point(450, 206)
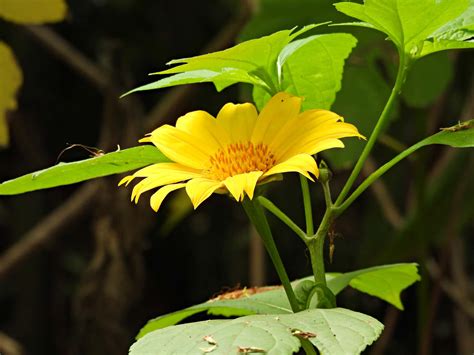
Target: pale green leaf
point(33, 12)
point(335, 331)
point(11, 79)
point(273, 300)
point(408, 23)
point(70, 173)
point(385, 282)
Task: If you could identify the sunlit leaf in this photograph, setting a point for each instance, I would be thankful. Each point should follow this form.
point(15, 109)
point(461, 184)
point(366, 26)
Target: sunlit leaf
point(10, 81)
point(312, 68)
point(70, 173)
point(33, 11)
point(410, 23)
point(333, 331)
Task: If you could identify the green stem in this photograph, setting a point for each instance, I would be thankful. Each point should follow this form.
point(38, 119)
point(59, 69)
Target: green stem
point(375, 175)
point(270, 206)
point(308, 213)
point(316, 247)
point(257, 217)
point(402, 68)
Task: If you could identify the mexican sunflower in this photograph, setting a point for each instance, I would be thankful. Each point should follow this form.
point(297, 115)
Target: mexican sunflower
point(239, 149)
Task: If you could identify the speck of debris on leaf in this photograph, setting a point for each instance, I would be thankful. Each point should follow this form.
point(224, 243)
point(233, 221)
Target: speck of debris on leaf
point(210, 340)
point(301, 334)
point(250, 349)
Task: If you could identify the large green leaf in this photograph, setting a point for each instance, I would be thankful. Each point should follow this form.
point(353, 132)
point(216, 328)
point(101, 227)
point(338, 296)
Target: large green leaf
point(385, 282)
point(335, 331)
point(312, 68)
point(273, 300)
point(70, 173)
point(410, 23)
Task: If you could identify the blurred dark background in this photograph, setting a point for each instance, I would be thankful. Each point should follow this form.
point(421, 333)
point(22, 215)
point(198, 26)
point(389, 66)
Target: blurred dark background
point(82, 269)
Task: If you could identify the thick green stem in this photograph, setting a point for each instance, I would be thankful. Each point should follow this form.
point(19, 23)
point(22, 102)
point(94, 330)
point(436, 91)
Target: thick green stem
point(308, 212)
point(270, 206)
point(377, 130)
point(257, 217)
point(316, 247)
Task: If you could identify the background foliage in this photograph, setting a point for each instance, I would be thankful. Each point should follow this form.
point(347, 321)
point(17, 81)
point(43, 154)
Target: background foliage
point(75, 257)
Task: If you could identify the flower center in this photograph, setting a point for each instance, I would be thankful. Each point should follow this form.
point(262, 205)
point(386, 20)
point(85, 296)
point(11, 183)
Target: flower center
point(239, 158)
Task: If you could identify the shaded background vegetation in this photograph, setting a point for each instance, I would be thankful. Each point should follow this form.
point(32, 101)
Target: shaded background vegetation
point(82, 269)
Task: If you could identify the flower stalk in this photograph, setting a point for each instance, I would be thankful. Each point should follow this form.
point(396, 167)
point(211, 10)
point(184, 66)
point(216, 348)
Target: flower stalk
point(257, 217)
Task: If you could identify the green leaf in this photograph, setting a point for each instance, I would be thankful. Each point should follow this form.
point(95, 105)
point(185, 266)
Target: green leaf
point(252, 62)
point(268, 300)
point(427, 80)
point(460, 135)
point(70, 173)
point(385, 282)
point(273, 300)
point(221, 80)
point(408, 23)
point(312, 68)
point(333, 331)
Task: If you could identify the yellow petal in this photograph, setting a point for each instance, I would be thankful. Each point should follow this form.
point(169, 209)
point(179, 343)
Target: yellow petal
point(166, 168)
point(126, 180)
point(281, 108)
point(238, 120)
point(33, 11)
point(200, 189)
point(158, 197)
point(154, 181)
point(11, 79)
point(301, 163)
point(304, 123)
point(181, 147)
point(204, 127)
point(308, 132)
point(243, 182)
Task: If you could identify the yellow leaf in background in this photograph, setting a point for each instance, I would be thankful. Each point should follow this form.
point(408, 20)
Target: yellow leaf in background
point(10, 80)
point(33, 12)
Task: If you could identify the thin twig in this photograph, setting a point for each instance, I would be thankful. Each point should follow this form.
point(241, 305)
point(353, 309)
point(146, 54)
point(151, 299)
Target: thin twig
point(49, 227)
point(70, 55)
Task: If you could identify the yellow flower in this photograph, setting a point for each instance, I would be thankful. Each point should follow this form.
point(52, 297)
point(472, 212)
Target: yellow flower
point(239, 149)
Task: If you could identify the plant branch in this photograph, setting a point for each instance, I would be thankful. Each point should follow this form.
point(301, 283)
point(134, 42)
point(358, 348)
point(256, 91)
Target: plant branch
point(257, 217)
point(49, 227)
point(270, 206)
point(402, 68)
point(308, 212)
point(70, 55)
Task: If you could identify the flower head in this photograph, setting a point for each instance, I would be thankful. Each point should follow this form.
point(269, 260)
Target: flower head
point(238, 149)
